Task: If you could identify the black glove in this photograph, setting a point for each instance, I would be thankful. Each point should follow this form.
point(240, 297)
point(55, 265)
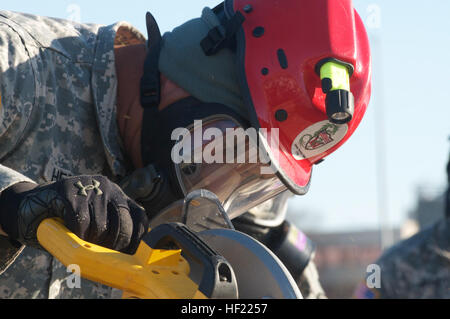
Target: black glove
point(92, 207)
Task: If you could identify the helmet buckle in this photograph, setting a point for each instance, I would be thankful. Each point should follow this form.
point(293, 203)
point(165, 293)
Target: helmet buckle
point(221, 36)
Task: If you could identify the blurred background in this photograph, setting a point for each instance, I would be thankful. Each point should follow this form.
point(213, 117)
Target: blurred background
point(388, 181)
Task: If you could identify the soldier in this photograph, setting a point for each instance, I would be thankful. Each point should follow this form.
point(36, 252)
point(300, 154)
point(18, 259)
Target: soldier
point(80, 101)
point(58, 86)
point(417, 268)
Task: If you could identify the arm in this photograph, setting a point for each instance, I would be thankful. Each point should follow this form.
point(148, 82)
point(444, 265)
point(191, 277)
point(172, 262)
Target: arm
point(9, 250)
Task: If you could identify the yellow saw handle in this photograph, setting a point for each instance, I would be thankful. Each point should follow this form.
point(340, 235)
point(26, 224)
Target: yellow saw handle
point(149, 274)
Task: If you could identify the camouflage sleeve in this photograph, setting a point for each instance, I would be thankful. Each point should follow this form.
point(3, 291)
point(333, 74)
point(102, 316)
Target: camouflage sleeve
point(8, 250)
point(17, 89)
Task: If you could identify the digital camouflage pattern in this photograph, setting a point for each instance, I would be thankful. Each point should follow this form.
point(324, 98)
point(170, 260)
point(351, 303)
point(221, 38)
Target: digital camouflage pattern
point(58, 119)
point(418, 268)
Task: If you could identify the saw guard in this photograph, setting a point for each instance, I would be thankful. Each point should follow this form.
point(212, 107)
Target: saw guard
point(259, 273)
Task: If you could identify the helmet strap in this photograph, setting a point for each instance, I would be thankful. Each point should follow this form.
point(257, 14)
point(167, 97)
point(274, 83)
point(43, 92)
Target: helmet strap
point(222, 36)
point(151, 79)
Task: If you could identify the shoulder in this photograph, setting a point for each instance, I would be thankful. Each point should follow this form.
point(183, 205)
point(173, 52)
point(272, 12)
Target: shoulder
point(418, 267)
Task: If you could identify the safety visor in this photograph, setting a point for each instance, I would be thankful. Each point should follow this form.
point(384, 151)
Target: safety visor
point(220, 155)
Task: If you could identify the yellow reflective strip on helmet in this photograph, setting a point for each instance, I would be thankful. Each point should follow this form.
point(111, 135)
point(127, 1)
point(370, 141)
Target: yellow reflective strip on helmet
point(338, 74)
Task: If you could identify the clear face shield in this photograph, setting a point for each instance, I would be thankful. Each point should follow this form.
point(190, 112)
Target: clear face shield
point(218, 155)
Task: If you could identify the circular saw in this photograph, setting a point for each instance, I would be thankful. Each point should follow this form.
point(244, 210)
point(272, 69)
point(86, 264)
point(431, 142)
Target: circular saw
point(191, 252)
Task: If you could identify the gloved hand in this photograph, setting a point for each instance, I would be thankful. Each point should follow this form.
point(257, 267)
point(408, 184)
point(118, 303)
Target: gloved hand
point(92, 207)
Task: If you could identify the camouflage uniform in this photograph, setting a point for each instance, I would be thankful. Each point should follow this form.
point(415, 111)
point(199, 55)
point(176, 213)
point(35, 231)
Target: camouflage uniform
point(58, 119)
point(418, 268)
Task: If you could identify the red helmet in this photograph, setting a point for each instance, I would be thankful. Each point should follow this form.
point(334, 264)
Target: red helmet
point(282, 46)
point(304, 69)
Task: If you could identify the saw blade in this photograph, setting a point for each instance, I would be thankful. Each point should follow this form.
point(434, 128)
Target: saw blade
point(200, 210)
point(259, 273)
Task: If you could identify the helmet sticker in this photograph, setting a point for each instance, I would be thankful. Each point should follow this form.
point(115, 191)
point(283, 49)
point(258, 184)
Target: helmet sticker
point(317, 139)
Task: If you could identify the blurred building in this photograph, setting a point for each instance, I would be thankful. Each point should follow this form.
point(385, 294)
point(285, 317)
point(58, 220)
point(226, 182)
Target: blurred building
point(342, 259)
